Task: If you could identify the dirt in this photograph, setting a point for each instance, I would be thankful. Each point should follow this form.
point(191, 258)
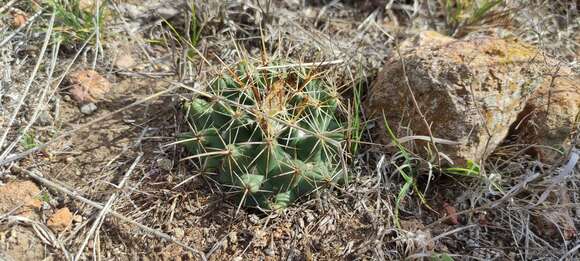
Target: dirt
point(21, 243)
point(18, 241)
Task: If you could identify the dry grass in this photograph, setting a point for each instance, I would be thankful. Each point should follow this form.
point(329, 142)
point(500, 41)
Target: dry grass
point(121, 173)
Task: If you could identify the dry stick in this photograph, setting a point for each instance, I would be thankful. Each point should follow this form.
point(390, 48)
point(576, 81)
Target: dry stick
point(82, 126)
point(569, 253)
point(292, 65)
point(76, 195)
point(107, 207)
point(28, 84)
point(416, 104)
point(442, 235)
point(7, 5)
point(40, 105)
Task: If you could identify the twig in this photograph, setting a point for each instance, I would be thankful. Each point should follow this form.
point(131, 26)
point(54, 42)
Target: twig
point(292, 65)
point(442, 235)
point(7, 5)
point(41, 104)
point(28, 84)
point(107, 207)
point(75, 195)
point(572, 251)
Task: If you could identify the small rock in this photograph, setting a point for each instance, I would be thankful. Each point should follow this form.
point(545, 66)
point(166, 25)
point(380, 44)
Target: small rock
point(132, 11)
point(269, 252)
point(179, 233)
point(254, 219)
point(88, 108)
point(86, 5)
point(167, 12)
point(69, 159)
point(60, 220)
point(165, 164)
point(88, 86)
point(124, 61)
point(20, 195)
point(19, 18)
point(233, 238)
point(293, 4)
point(78, 218)
point(44, 118)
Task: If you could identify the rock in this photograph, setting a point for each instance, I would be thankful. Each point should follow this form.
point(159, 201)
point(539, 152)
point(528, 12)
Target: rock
point(469, 91)
point(549, 117)
point(167, 12)
point(131, 10)
point(124, 61)
point(44, 118)
point(165, 164)
point(87, 5)
point(22, 197)
point(19, 18)
point(88, 108)
point(88, 86)
point(60, 220)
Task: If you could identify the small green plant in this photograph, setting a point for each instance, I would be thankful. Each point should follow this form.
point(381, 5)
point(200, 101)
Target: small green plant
point(76, 23)
point(441, 257)
point(356, 123)
point(45, 197)
point(28, 141)
point(461, 16)
point(471, 170)
point(191, 35)
point(407, 172)
point(271, 135)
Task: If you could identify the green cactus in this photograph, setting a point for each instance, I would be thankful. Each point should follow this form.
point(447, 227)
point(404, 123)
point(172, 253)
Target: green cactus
point(272, 136)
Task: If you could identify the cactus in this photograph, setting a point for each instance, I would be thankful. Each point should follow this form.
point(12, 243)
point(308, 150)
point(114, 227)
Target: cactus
point(271, 136)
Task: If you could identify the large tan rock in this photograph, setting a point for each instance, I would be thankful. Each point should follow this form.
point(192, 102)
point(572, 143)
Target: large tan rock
point(550, 116)
point(469, 91)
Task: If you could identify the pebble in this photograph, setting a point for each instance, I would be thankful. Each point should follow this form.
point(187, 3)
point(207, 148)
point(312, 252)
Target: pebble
point(269, 252)
point(88, 108)
point(132, 11)
point(179, 233)
point(165, 164)
point(167, 12)
point(44, 118)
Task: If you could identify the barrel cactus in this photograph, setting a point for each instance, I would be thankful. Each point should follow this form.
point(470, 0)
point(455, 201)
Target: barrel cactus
point(271, 136)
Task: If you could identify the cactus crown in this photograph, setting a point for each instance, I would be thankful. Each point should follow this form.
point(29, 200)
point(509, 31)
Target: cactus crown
point(271, 136)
